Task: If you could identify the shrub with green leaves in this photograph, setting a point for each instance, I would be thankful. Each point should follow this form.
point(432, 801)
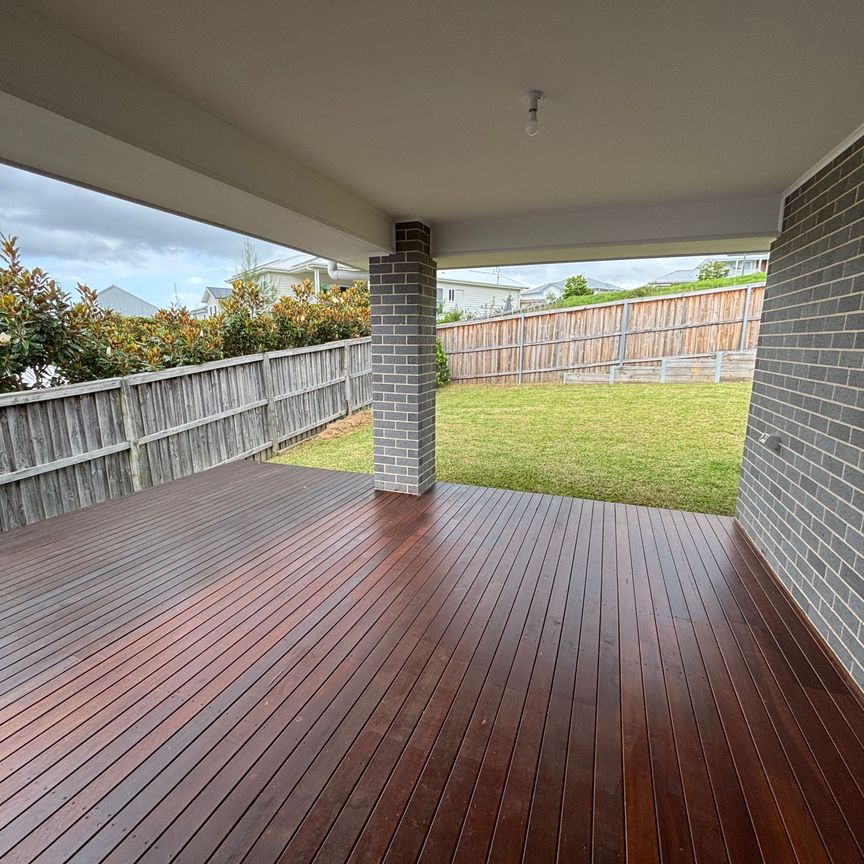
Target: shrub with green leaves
point(47, 339)
point(442, 367)
point(39, 327)
point(713, 270)
point(576, 286)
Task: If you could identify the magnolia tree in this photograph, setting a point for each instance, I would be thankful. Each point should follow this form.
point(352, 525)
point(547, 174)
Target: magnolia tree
point(39, 327)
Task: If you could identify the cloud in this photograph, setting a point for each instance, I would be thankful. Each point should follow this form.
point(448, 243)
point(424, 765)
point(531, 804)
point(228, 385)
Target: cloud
point(189, 299)
point(81, 235)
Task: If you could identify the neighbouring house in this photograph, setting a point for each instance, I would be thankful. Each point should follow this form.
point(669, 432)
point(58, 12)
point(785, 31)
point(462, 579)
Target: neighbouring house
point(125, 302)
point(541, 294)
point(283, 273)
point(296, 269)
point(739, 265)
point(478, 291)
point(210, 299)
point(475, 291)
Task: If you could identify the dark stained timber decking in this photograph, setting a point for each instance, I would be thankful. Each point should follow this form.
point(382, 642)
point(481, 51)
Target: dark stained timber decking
point(263, 663)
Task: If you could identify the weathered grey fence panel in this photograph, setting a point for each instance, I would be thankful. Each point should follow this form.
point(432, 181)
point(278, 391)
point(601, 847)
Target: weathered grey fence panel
point(67, 447)
point(360, 373)
point(58, 454)
point(195, 418)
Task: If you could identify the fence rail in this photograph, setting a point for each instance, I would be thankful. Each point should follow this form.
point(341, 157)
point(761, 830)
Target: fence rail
point(67, 447)
point(542, 346)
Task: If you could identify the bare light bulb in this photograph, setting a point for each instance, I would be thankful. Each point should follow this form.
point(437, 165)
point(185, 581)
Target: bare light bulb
point(532, 127)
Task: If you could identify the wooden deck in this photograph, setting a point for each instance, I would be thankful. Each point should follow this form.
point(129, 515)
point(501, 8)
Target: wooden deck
point(262, 663)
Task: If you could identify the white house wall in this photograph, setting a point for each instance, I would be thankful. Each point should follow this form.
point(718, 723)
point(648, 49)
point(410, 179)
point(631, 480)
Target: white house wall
point(478, 298)
point(284, 281)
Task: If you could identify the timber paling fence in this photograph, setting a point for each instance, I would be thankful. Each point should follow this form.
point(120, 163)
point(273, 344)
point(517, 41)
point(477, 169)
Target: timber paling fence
point(67, 447)
point(542, 346)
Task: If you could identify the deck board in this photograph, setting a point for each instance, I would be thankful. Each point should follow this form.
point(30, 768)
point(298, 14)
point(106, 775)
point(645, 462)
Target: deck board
point(266, 663)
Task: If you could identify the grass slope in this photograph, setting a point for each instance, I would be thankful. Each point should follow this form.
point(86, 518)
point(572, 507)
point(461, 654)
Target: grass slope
point(648, 291)
point(676, 445)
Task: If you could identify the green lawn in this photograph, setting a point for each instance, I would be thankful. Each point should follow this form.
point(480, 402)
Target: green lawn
point(675, 445)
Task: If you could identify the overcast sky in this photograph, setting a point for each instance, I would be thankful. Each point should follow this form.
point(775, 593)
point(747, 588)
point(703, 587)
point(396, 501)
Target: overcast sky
point(81, 236)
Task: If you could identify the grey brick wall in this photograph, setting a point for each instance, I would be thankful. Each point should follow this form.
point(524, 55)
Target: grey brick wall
point(403, 362)
point(803, 506)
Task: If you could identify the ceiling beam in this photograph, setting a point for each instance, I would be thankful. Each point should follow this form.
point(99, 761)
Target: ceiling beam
point(73, 112)
point(712, 227)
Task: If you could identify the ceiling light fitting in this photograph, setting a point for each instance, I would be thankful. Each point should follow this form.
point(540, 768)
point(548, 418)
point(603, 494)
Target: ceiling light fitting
point(532, 127)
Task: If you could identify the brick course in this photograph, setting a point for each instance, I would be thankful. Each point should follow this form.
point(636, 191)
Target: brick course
point(803, 506)
point(403, 362)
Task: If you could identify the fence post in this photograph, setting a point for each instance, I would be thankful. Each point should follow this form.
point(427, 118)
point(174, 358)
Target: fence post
point(521, 351)
point(622, 339)
point(267, 382)
point(742, 344)
point(130, 431)
point(346, 371)
point(664, 365)
point(718, 367)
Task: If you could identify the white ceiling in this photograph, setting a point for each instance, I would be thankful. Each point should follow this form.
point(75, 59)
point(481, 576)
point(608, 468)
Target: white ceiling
point(418, 107)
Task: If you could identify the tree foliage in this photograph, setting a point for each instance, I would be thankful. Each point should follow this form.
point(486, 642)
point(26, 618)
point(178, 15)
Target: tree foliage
point(250, 273)
point(442, 366)
point(38, 325)
point(46, 338)
point(713, 270)
point(576, 286)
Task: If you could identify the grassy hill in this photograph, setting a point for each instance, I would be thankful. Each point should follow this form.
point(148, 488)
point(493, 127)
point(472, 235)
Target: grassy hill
point(650, 291)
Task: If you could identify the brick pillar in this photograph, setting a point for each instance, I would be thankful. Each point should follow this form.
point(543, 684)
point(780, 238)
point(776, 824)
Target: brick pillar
point(403, 362)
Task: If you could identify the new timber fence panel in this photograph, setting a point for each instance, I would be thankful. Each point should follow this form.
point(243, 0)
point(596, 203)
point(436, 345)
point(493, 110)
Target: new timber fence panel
point(542, 346)
point(67, 447)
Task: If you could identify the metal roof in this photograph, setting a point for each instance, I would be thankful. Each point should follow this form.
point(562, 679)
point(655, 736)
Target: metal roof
point(120, 300)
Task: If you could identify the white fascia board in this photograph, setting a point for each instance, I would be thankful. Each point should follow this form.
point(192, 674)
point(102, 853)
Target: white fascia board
point(73, 112)
point(719, 226)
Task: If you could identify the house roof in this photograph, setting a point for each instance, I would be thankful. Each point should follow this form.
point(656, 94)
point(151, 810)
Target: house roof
point(125, 302)
point(678, 276)
point(750, 256)
point(292, 263)
point(540, 291)
point(217, 292)
point(298, 263)
point(475, 276)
